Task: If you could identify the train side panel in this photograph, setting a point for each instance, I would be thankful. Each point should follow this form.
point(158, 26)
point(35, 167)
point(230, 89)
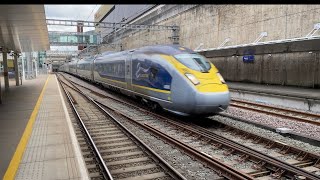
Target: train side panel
point(150, 76)
point(84, 68)
point(110, 70)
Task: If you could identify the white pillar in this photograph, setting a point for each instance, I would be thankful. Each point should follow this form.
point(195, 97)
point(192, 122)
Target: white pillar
point(23, 68)
point(16, 69)
point(0, 93)
point(36, 67)
point(29, 65)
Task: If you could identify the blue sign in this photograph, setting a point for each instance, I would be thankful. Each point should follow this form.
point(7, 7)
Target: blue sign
point(248, 58)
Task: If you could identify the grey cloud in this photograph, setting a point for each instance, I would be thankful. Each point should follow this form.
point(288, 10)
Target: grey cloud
point(72, 12)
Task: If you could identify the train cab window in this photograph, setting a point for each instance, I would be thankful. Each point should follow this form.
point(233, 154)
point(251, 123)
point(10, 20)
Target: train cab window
point(194, 61)
point(153, 72)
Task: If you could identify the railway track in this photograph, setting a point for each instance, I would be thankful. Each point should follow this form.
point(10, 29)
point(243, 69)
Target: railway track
point(224, 169)
point(262, 165)
point(114, 151)
point(277, 111)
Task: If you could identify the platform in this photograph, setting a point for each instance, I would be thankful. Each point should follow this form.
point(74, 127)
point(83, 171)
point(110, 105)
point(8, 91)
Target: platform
point(307, 93)
point(37, 139)
point(305, 99)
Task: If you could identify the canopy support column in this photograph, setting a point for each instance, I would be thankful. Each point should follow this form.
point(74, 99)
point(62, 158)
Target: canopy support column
point(5, 69)
point(16, 69)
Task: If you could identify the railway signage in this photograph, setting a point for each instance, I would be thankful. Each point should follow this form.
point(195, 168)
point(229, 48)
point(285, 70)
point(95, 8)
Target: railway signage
point(248, 58)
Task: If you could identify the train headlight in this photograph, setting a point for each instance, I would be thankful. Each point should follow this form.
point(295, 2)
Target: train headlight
point(192, 78)
point(221, 78)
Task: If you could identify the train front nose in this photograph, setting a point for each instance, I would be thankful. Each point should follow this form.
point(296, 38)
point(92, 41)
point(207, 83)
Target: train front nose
point(210, 103)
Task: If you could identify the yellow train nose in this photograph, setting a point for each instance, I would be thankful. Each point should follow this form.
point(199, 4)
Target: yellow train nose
point(210, 87)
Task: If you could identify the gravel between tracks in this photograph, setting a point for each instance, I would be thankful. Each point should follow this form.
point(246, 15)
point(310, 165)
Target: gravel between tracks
point(247, 127)
point(265, 133)
point(274, 121)
point(183, 163)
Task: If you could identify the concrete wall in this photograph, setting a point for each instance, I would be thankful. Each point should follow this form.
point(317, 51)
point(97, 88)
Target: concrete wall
point(294, 69)
point(212, 24)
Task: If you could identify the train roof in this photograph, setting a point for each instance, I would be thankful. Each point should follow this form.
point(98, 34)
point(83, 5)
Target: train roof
point(165, 49)
point(154, 49)
point(170, 50)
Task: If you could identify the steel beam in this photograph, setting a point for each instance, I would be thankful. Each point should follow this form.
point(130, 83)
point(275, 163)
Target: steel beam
point(69, 44)
point(108, 25)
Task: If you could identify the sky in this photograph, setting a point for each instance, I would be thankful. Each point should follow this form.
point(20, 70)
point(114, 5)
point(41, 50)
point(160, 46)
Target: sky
point(70, 12)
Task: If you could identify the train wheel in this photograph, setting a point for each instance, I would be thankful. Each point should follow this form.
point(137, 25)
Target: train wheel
point(153, 106)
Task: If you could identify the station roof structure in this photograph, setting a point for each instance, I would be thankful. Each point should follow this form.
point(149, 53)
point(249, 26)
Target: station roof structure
point(23, 28)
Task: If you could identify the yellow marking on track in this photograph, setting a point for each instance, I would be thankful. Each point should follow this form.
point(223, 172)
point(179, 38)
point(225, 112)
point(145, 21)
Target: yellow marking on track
point(15, 161)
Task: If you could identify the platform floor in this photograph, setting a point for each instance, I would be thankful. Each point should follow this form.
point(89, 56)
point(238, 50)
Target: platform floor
point(12, 83)
point(308, 93)
point(15, 110)
point(51, 150)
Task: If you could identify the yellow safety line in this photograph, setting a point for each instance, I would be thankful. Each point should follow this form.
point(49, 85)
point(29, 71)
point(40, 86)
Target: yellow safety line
point(15, 161)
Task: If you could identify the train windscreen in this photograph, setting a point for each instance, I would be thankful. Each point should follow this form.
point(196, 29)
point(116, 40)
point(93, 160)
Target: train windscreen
point(194, 61)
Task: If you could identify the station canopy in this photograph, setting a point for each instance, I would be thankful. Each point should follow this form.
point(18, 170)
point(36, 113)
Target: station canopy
point(23, 28)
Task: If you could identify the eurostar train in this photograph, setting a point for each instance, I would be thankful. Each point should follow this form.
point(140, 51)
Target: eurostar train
point(171, 77)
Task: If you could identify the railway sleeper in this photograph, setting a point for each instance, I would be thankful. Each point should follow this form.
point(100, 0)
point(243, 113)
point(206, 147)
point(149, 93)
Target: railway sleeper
point(95, 175)
point(104, 134)
point(127, 172)
point(116, 145)
point(119, 150)
point(138, 159)
point(109, 152)
point(147, 176)
point(123, 155)
point(114, 138)
point(109, 141)
point(104, 129)
point(130, 164)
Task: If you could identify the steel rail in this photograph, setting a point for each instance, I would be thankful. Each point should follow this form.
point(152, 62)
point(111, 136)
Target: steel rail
point(260, 138)
point(231, 143)
point(228, 171)
point(216, 164)
point(279, 108)
point(277, 113)
point(247, 150)
point(105, 171)
point(169, 169)
point(239, 147)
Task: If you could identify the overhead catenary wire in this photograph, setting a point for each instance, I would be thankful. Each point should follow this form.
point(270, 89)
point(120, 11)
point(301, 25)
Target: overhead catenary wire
point(91, 12)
